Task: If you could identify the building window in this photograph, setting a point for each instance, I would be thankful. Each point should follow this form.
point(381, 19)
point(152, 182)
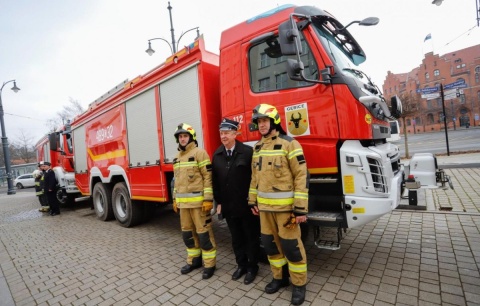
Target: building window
point(427, 76)
point(430, 119)
point(264, 60)
point(477, 77)
point(281, 80)
point(436, 72)
point(408, 122)
point(418, 121)
point(477, 69)
point(440, 117)
point(478, 95)
point(280, 59)
point(429, 104)
point(264, 84)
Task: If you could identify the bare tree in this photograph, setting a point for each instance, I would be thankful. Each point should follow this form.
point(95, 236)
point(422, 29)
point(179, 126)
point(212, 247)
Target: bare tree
point(22, 147)
point(68, 112)
point(411, 107)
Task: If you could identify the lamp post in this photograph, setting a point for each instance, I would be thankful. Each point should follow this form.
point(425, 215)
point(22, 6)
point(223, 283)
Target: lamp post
point(173, 46)
point(6, 152)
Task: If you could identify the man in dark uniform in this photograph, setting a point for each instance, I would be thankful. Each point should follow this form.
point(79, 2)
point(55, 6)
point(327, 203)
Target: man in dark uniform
point(50, 189)
point(231, 175)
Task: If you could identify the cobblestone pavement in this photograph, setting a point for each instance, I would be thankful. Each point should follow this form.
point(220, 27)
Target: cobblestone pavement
point(404, 258)
point(465, 197)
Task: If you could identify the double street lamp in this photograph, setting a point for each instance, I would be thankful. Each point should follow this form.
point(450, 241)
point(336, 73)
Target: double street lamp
point(173, 46)
point(6, 151)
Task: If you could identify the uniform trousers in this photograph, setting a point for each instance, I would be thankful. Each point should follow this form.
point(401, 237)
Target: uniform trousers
point(284, 246)
point(245, 232)
point(198, 236)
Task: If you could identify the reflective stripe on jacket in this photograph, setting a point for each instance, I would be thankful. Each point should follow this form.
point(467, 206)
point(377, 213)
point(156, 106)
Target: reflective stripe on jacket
point(193, 177)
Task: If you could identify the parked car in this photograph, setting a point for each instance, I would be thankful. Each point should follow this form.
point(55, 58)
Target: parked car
point(23, 181)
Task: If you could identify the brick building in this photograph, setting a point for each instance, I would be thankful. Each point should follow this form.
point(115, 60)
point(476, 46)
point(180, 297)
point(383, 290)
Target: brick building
point(462, 111)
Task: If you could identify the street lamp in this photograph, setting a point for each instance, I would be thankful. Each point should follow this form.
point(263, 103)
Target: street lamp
point(6, 152)
point(150, 51)
point(173, 46)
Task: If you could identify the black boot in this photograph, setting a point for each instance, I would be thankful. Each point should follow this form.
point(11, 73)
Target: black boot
point(276, 284)
point(208, 272)
point(196, 263)
point(298, 294)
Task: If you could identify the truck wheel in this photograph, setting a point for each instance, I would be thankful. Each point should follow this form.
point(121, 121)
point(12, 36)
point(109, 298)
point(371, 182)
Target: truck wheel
point(102, 201)
point(127, 212)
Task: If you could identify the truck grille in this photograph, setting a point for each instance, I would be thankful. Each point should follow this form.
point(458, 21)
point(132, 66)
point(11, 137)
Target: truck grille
point(378, 176)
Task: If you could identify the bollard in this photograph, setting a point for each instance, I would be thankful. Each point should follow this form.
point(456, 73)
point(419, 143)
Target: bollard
point(412, 185)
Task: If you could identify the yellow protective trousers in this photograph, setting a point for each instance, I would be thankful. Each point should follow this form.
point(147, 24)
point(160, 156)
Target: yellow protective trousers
point(283, 246)
point(198, 236)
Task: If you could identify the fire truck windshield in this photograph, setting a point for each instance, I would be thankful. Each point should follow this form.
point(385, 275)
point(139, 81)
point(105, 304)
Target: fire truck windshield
point(341, 46)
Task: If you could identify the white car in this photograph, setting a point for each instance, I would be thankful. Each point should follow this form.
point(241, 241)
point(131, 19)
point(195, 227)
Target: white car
point(23, 181)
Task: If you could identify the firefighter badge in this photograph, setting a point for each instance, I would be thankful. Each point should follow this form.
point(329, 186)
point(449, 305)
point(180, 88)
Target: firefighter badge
point(297, 120)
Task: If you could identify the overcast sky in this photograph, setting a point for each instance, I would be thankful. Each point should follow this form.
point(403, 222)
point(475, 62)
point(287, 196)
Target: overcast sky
point(57, 49)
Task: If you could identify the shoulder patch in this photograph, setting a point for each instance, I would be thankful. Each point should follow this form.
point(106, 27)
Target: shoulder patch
point(301, 159)
point(285, 137)
point(258, 147)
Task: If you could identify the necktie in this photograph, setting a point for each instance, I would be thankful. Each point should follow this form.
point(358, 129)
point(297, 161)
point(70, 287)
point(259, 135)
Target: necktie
point(229, 153)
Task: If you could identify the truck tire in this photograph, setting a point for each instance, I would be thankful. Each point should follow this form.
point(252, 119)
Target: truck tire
point(102, 201)
point(127, 212)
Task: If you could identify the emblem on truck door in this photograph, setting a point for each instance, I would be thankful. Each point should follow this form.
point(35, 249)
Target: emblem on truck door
point(297, 120)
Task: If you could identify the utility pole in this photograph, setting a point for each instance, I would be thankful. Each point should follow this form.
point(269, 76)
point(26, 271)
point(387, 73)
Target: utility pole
point(171, 28)
point(444, 118)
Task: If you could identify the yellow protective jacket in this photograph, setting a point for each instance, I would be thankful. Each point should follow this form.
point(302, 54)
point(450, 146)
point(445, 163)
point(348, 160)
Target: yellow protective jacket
point(193, 177)
point(279, 175)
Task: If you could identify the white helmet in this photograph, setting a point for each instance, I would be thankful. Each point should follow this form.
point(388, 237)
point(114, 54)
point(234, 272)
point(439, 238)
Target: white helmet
point(37, 173)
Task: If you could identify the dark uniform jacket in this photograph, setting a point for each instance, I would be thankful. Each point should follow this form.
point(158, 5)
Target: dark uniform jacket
point(50, 181)
point(231, 182)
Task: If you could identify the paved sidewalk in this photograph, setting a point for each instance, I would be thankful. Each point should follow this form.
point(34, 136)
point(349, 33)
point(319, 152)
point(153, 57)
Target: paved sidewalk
point(403, 258)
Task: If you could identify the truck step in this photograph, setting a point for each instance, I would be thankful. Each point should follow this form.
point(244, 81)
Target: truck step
point(325, 216)
point(327, 245)
point(327, 240)
point(323, 180)
point(80, 199)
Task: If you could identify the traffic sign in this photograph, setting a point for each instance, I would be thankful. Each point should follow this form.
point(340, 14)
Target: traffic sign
point(457, 84)
point(428, 90)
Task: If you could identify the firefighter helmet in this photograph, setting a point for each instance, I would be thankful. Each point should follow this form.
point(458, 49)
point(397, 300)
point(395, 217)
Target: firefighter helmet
point(266, 111)
point(187, 129)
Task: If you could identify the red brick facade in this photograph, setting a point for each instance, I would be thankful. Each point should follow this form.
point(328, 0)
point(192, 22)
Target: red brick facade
point(435, 70)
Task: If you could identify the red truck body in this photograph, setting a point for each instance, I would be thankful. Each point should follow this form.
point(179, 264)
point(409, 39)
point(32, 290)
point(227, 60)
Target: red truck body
point(124, 144)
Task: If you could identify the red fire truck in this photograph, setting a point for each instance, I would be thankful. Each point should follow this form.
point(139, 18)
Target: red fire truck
point(301, 60)
point(57, 148)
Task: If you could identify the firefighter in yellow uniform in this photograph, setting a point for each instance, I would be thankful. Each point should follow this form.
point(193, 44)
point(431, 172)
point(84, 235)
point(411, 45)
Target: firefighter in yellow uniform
point(279, 193)
point(193, 198)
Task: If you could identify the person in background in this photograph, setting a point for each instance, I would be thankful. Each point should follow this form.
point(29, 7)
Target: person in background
point(38, 175)
point(279, 193)
point(231, 175)
point(193, 198)
point(50, 189)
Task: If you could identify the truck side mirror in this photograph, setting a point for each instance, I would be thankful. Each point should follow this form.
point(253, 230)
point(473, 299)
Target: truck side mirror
point(295, 70)
point(52, 139)
point(396, 107)
point(289, 38)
